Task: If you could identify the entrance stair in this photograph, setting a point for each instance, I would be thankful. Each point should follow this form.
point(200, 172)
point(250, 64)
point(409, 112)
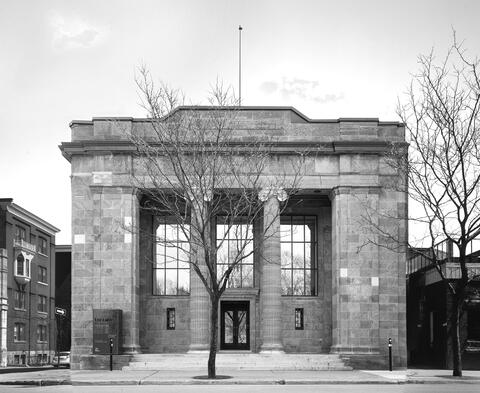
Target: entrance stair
point(237, 361)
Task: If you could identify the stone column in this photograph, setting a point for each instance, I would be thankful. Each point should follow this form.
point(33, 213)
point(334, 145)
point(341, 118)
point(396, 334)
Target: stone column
point(199, 300)
point(3, 306)
point(270, 285)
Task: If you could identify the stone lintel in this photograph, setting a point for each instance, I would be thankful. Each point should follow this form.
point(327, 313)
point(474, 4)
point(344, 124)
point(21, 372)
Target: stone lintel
point(107, 189)
point(340, 190)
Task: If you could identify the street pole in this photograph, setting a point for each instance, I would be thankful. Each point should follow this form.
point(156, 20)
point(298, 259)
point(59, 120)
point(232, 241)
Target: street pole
point(390, 362)
point(240, 65)
point(56, 339)
point(111, 354)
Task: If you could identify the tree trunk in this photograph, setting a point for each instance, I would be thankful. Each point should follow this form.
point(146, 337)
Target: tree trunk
point(457, 351)
point(213, 339)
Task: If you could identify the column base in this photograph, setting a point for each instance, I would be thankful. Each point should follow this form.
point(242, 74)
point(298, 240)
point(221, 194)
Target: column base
point(132, 350)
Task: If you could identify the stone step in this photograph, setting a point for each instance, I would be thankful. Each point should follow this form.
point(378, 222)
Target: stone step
point(249, 361)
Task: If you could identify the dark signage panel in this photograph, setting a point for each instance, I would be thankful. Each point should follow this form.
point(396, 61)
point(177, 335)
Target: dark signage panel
point(107, 324)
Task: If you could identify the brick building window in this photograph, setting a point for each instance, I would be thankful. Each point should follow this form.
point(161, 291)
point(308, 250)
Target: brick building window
point(42, 303)
point(170, 318)
point(42, 275)
point(235, 246)
point(41, 333)
point(20, 234)
point(20, 300)
point(19, 331)
point(299, 319)
point(298, 255)
point(42, 245)
point(171, 271)
point(22, 265)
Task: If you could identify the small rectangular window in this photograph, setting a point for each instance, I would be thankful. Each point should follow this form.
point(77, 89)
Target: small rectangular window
point(299, 319)
point(170, 318)
point(42, 274)
point(19, 332)
point(20, 300)
point(42, 246)
point(42, 303)
point(20, 234)
point(41, 333)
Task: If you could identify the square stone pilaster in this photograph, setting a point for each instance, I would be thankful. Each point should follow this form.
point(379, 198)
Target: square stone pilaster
point(105, 273)
point(364, 277)
point(355, 275)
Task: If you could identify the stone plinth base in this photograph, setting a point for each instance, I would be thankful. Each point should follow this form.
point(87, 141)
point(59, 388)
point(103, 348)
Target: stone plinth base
point(102, 362)
point(199, 348)
point(272, 349)
point(369, 358)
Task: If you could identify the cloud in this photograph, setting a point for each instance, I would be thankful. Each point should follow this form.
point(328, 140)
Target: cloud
point(329, 98)
point(269, 87)
point(293, 88)
point(73, 33)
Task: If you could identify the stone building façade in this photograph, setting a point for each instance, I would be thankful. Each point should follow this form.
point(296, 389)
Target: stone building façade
point(352, 296)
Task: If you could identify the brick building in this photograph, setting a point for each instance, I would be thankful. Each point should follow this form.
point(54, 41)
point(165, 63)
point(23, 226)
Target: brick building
point(27, 278)
point(351, 296)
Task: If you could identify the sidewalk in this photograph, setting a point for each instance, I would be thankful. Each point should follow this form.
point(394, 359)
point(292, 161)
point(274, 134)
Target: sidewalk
point(245, 377)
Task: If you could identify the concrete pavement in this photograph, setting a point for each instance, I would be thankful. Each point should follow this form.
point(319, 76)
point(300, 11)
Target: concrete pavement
point(240, 377)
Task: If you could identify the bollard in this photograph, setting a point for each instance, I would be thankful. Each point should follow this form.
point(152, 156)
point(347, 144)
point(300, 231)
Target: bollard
point(111, 354)
point(390, 363)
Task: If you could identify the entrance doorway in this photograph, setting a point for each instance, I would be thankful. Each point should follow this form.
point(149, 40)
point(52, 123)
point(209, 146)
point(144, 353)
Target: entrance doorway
point(235, 325)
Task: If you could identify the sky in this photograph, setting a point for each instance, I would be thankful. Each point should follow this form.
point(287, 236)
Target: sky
point(66, 60)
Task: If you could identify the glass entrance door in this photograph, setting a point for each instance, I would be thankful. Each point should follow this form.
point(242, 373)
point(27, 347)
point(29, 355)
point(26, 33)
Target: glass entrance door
point(235, 325)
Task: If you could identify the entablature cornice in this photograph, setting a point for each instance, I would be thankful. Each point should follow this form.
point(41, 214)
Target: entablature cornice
point(100, 147)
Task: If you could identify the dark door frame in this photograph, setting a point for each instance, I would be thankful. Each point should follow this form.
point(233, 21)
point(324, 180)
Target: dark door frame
point(234, 306)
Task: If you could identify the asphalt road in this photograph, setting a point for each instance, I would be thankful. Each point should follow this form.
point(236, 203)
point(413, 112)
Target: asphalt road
point(433, 388)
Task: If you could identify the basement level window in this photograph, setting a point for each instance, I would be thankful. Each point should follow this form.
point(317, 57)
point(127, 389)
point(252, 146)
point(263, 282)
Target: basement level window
point(299, 319)
point(170, 319)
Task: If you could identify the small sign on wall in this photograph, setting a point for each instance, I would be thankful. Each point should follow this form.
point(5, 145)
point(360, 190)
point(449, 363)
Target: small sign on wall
point(107, 324)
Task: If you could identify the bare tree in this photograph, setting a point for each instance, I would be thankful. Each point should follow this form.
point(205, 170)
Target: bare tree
point(441, 172)
point(196, 167)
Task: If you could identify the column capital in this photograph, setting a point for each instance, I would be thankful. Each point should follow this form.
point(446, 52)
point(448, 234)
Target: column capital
point(272, 191)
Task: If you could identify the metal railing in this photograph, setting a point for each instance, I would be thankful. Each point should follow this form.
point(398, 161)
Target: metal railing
point(422, 258)
point(21, 243)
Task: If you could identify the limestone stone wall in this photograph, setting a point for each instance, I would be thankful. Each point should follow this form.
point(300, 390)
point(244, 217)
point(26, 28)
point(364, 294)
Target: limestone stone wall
point(311, 338)
point(361, 299)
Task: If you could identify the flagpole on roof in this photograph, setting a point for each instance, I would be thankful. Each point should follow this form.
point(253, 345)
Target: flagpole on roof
point(240, 65)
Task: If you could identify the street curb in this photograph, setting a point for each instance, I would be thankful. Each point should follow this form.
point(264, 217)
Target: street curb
point(38, 382)
point(132, 382)
point(269, 382)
